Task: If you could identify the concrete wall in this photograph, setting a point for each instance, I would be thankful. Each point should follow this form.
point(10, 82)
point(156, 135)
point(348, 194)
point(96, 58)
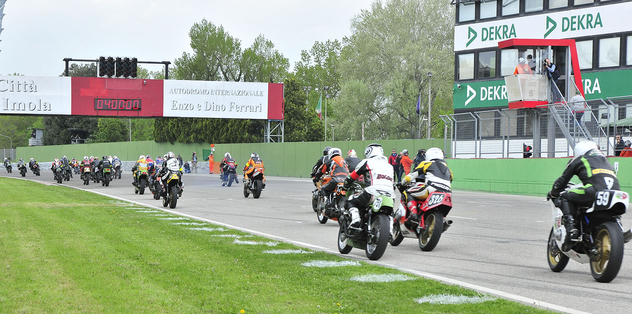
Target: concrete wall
point(533, 176)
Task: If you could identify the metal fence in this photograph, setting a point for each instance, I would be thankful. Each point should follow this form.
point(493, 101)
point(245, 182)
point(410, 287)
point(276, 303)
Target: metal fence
point(8, 153)
point(505, 133)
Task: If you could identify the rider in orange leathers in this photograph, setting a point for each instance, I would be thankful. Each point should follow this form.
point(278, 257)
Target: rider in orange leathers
point(254, 162)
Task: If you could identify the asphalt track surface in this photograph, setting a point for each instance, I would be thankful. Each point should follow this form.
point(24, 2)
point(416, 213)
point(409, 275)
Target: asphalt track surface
point(496, 245)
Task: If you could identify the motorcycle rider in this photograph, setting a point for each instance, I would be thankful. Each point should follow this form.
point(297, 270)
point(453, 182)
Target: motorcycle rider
point(116, 162)
point(320, 162)
point(595, 172)
point(21, 164)
point(352, 159)
point(228, 166)
point(337, 168)
point(171, 162)
point(105, 164)
point(84, 163)
point(32, 164)
point(65, 164)
point(7, 162)
point(378, 174)
point(74, 165)
point(249, 168)
point(437, 177)
point(141, 160)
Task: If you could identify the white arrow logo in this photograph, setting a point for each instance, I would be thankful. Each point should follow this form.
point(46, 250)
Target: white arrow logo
point(471, 93)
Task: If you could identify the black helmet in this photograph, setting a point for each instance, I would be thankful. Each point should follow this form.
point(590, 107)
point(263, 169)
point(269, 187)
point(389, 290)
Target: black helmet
point(326, 150)
point(105, 157)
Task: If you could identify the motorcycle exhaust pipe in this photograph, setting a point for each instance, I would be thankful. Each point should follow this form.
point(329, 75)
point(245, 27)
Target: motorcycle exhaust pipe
point(446, 225)
point(627, 236)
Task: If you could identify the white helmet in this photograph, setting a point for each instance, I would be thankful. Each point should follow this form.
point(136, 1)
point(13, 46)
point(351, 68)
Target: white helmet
point(253, 155)
point(85, 157)
point(334, 152)
point(352, 153)
point(583, 147)
point(171, 155)
point(434, 153)
point(227, 155)
point(32, 159)
point(373, 150)
point(115, 157)
point(141, 157)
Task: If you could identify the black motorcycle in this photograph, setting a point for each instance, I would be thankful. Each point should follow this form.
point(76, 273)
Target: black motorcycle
point(59, 173)
point(8, 166)
point(22, 169)
point(171, 188)
point(35, 169)
point(374, 231)
point(254, 184)
point(117, 169)
point(155, 186)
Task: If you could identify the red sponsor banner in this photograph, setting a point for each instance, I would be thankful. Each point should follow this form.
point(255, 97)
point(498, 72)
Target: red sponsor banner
point(276, 105)
point(93, 96)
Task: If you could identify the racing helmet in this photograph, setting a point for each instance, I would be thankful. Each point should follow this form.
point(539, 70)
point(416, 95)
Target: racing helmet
point(84, 158)
point(56, 159)
point(334, 152)
point(583, 147)
point(141, 157)
point(96, 158)
point(254, 155)
point(21, 160)
point(373, 150)
point(227, 155)
point(91, 157)
point(105, 157)
point(326, 150)
point(352, 153)
point(32, 159)
point(172, 155)
point(434, 153)
point(148, 156)
point(115, 157)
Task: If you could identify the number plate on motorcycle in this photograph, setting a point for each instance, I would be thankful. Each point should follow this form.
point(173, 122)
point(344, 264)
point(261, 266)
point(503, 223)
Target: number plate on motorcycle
point(435, 199)
point(377, 204)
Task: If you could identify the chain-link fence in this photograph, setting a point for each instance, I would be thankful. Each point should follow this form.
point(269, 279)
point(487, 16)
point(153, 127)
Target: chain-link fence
point(519, 133)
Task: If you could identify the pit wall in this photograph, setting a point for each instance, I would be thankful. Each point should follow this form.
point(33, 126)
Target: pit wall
point(533, 176)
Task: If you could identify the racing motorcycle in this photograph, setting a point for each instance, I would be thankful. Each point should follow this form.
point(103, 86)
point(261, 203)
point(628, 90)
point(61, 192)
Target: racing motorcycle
point(85, 175)
point(432, 223)
point(8, 166)
point(601, 236)
point(22, 168)
point(36, 170)
point(373, 234)
point(337, 200)
point(142, 174)
point(117, 169)
point(155, 186)
point(254, 184)
point(171, 184)
point(106, 175)
point(59, 173)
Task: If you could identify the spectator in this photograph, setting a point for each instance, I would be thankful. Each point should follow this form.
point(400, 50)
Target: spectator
point(522, 67)
point(531, 63)
point(627, 151)
point(619, 145)
point(180, 160)
point(527, 151)
point(421, 156)
point(187, 168)
point(194, 161)
point(406, 162)
point(393, 161)
point(554, 77)
point(579, 106)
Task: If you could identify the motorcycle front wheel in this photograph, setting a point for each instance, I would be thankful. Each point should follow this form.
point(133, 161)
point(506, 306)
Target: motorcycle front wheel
point(315, 201)
point(141, 186)
point(378, 238)
point(396, 234)
point(609, 244)
point(557, 260)
point(246, 190)
point(86, 180)
point(157, 190)
point(429, 238)
point(343, 247)
point(320, 215)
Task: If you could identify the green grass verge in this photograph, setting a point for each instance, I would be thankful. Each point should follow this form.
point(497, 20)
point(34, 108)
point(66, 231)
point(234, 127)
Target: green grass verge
point(69, 251)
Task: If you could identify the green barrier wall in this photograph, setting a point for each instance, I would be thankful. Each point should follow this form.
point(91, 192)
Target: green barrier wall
point(533, 176)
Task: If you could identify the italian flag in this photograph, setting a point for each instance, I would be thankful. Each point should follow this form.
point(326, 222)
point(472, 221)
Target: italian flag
point(319, 107)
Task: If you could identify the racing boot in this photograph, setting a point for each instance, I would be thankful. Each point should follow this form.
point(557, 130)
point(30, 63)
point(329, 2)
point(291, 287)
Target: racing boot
point(571, 232)
point(355, 218)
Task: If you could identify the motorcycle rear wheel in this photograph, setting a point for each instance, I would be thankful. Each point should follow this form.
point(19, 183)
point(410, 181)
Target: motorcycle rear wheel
point(157, 190)
point(377, 241)
point(343, 247)
point(107, 180)
point(429, 238)
point(557, 260)
point(609, 244)
point(246, 190)
point(258, 186)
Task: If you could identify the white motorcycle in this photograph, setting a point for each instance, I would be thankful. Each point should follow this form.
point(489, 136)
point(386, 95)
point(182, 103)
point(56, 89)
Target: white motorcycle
point(601, 236)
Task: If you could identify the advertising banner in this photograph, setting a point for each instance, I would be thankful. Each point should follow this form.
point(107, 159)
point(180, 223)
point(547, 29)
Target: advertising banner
point(203, 99)
point(30, 95)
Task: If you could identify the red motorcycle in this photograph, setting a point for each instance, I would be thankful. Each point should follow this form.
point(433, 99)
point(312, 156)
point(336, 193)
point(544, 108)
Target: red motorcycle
point(432, 223)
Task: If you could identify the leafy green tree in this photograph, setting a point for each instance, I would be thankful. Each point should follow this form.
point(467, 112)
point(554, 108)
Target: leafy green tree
point(17, 129)
point(384, 67)
point(217, 56)
point(111, 130)
point(301, 121)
